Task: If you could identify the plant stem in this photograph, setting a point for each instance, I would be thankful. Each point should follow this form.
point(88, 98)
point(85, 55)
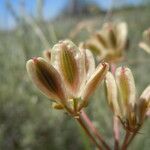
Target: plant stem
point(127, 136)
point(80, 121)
point(132, 137)
point(93, 129)
point(116, 132)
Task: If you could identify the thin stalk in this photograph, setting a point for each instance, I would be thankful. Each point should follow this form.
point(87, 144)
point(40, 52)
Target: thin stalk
point(127, 136)
point(132, 137)
point(116, 128)
point(116, 132)
point(93, 129)
point(80, 121)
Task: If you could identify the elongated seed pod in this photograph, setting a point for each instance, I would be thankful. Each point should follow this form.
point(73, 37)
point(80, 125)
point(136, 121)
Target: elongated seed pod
point(94, 81)
point(111, 93)
point(46, 78)
point(126, 85)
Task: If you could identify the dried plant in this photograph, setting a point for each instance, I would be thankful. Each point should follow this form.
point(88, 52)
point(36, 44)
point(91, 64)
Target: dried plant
point(60, 78)
point(67, 75)
point(110, 42)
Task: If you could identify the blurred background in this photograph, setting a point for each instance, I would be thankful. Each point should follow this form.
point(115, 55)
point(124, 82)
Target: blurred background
point(27, 27)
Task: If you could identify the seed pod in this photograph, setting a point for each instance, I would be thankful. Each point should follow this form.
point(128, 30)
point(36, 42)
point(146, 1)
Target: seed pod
point(89, 63)
point(95, 46)
point(111, 93)
point(112, 38)
point(68, 65)
point(46, 78)
point(94, 81)
point(121, 31)
point(144, 103)
point(126, 85)
point(68, 59)
point(101, 39)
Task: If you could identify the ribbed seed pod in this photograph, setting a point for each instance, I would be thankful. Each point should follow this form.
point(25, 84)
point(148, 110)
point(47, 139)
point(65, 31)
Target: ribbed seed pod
point(94, 81)
point(46, 78)
point(111, 93)
point(126, 85)
point(67, 58)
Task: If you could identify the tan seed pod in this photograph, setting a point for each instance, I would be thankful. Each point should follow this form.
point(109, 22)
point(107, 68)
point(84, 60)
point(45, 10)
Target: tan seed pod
point(127, 91)
point(46, 78)
point(111, 93)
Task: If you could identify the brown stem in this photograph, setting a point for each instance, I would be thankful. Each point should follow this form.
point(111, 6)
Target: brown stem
point(93, 129)
point(132, 137)
point(126, 139)
point(116, 132)
point(80, 121)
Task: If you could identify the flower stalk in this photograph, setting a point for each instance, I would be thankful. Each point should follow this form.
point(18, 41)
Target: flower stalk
point(94, 130)
point(82, 124)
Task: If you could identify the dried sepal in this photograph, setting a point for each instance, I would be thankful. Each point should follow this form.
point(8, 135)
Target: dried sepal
point(111, 93)
point(46, 78)
point(57, 106)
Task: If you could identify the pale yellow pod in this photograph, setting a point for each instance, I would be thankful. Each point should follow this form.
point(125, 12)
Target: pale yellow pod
point(121, 31)
point(94, 81)
point(68, 65)
point(127, 91)
point(144, 103)
point(66, 57)
point(89, 63)
point(111, 93)
point(47, 79)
